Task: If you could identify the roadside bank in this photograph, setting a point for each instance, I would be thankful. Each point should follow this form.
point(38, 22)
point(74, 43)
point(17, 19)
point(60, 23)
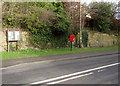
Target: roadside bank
point(52, 58)
point(28, 53)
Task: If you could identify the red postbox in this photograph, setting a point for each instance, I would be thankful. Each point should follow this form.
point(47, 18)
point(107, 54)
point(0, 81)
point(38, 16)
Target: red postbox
point(72, 38)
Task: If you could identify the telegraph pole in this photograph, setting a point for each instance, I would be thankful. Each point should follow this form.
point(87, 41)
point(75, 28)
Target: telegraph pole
point(80, 33)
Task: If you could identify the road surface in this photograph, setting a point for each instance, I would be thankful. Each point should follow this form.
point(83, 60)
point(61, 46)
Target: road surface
point(94, 70)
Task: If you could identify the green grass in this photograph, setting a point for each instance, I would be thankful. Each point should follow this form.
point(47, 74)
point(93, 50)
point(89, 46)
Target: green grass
point(26, 53)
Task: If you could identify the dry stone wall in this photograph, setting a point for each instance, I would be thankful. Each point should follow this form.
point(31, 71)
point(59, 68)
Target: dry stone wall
point(97, 39)
point(1, 40)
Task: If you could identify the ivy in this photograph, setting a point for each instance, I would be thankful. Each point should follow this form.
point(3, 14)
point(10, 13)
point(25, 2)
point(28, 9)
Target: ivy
point(85, 38)
point(46, 21)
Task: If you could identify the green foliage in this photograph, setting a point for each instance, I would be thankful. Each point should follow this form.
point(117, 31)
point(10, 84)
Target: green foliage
point(40, 38)
point(103, 23)
point(85, 38)
point(10, 21)
point(101, 13)
point(46, 21)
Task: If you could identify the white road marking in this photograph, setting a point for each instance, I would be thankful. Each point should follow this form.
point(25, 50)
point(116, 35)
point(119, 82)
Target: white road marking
point(71, 78)
point(73, 74)
point(101, 70)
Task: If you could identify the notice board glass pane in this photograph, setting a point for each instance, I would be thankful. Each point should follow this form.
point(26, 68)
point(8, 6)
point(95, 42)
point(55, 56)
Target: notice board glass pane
point(10, 35)
point(13, 35)
point(17, 35)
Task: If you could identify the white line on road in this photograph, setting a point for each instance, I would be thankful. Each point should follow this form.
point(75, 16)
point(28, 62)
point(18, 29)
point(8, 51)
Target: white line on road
point(71, 78)
point(73, 74)
point(101, 70)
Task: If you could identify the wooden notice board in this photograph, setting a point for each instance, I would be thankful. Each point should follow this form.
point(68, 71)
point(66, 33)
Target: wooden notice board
point(13, 36)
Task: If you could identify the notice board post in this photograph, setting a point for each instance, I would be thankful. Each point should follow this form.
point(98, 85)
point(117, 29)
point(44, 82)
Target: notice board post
point(13, 36)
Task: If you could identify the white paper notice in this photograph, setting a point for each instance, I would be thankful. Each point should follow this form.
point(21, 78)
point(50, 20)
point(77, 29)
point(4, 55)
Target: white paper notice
point(10, 35)
point(17, 35)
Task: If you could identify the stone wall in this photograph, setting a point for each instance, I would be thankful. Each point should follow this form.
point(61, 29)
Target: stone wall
point(1, 41)
point(22, 44)
point(97, 39)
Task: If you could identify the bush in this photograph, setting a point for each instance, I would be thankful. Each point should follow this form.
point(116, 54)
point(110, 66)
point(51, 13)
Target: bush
point(85, 38)
point(103, 24)
point(101, 13)
point(46, 21)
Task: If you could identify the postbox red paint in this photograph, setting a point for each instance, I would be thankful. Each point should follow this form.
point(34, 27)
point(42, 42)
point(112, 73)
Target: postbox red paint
point(72, 38)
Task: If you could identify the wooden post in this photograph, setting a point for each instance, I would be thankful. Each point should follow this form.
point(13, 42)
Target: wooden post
point(8, 46)
point(7, 40)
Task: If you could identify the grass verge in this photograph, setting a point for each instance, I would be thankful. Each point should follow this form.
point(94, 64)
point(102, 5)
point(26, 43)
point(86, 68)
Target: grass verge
point(26, 53)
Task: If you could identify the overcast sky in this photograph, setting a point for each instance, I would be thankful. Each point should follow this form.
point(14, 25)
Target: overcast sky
point(89, 1)
point(83, 1)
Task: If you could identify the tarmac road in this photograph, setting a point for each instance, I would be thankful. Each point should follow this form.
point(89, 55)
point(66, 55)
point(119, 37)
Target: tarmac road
point(101, 69)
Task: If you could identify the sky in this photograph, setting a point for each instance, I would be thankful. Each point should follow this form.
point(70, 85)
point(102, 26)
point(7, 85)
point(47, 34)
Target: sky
point(83, 1)
point(89, 1)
